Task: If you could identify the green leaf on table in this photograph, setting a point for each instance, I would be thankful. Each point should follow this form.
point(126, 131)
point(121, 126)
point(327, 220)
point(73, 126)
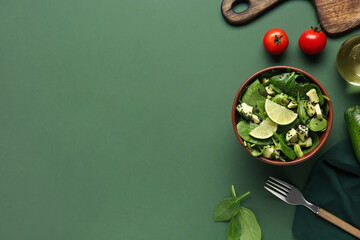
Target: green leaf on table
point(255, 96)
point(234, 230)
point(244, 128)
point(226, 209)
point(244, 226)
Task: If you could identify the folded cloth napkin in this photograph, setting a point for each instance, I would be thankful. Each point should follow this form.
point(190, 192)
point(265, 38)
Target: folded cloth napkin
point(334, 185)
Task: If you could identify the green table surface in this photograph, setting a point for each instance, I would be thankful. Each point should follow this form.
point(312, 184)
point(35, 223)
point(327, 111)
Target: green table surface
point(116, 117)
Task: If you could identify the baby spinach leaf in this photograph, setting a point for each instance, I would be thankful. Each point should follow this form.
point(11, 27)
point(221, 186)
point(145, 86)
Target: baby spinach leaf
point(250, 228)
point(255, 96)
point(304, 88)
point(317, 125)
point(243, 224)
point(285, 82)
point(226, 209)
point(257, 153)
point(326, 110)
point(275, 88)
point(315, 142)
point(283, 129)
point(302, 112)
point(273, 72)
point(244, 128)
point(289, 152)
point(234, 230)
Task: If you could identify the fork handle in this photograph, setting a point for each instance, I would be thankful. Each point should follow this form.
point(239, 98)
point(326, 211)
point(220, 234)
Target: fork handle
point(340, 223)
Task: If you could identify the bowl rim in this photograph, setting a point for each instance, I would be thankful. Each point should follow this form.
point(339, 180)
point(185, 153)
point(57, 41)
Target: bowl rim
point(324, 136)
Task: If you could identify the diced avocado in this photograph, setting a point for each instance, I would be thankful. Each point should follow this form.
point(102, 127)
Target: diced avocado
point(310, 109)
point(297, 150)
point(269, 151)
point(265, 80)
point(314, 98)
point(255, 118)
point(302, 131)
point(318, 111)
point(269, 90)
point(291, 136)
point(292, 105)
point(307, 143)
point(285, 101)
point(245, 110)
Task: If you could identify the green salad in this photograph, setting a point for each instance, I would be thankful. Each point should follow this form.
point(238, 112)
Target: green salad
point(281, 115)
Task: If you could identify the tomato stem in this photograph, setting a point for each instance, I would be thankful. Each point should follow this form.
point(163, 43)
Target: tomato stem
point(277, 39)
point(317, 28)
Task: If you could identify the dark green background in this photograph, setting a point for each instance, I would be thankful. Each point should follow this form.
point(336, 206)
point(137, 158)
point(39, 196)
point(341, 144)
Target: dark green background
point(116, 117)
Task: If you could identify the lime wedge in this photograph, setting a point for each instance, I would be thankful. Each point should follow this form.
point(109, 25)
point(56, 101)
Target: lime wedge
point(265, 130)
point(279, 114)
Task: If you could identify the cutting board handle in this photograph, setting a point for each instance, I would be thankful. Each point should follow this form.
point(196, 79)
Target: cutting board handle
point(255, 8)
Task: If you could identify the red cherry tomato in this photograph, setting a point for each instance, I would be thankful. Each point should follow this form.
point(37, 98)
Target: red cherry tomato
point(276, 41)
point(312, 41)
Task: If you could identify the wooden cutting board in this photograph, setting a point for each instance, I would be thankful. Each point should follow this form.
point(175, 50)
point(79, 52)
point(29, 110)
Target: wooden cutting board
point(335, 16)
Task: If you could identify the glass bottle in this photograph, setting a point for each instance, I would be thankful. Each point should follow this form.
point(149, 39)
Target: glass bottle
point(348, 60)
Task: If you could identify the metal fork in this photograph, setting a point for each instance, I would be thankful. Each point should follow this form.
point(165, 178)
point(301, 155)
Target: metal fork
point(293, 196)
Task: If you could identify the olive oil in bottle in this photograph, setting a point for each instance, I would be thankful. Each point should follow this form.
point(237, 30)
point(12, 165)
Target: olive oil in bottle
point(348, 60)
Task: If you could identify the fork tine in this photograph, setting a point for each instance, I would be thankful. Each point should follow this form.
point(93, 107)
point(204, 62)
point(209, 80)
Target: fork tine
point(276, 194)
point(279, 186)
point(277, 189)
point(281, 182)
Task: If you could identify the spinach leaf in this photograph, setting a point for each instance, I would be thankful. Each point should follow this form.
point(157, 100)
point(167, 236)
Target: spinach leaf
point(302, 112)
point(244, 128)
point(285, 82)
point(317, 125)
point(289, 152)
point(255, 96)
point(315, 142)
point(273, 72)
point(326, 110)
point(243, 224)
point(304, 88)
point(257, 153)
point(283, 129)
point(234, 230)
point(275, 88)
point(226, 209)
point(250, 229)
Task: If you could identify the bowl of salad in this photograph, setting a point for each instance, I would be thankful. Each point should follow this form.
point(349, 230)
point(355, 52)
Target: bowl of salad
point(282, 115)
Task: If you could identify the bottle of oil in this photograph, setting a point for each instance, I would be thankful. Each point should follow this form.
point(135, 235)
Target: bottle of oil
point(348, 60)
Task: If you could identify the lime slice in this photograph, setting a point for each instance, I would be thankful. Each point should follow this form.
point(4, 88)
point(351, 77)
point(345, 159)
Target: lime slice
point(279, 114)
point(265, 130)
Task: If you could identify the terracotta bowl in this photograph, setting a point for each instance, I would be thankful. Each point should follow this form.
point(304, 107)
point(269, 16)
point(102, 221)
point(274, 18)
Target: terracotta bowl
point(323, 136)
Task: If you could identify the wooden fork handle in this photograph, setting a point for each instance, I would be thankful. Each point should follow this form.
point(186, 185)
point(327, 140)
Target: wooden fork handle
point(255, 8)
point(340, 223)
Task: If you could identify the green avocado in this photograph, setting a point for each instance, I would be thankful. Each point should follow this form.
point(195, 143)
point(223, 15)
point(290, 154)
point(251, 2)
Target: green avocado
point(352, 119)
